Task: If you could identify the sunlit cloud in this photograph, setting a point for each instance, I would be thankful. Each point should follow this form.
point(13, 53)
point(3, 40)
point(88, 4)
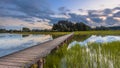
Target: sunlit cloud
point(103, 17)
point(40, 14)
point(116, 18)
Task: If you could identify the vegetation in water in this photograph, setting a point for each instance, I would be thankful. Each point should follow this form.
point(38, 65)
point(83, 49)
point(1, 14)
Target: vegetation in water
point(53, 60)
point(94, 55)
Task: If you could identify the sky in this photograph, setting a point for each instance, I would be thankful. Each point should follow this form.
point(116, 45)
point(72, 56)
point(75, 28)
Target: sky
point(84, 4)
point(41, 14)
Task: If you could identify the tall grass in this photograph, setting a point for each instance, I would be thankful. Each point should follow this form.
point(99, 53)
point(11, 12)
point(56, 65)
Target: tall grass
point(103, 32)
point(53, 60)
point(95, 55)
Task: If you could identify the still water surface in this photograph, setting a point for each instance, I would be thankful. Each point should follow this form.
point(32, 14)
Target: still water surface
point(10, 43)
point(95, 39)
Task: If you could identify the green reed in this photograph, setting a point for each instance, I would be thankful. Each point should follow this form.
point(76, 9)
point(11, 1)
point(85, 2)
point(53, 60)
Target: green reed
point(94, 55)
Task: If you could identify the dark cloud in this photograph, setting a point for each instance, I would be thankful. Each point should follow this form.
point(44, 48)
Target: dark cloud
point(107, 11)
point(97, 20)
point(63, 10)
point(93, 13)
point(97, 17)
point(80, 9)
point(117, 14)
point(77, 18)
point(28, 9)
point(116, 8)
point(111, 21)
point(25, 8)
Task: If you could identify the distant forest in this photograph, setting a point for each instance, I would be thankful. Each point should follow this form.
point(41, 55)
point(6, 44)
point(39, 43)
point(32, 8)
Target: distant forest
point(80, 26)
point(65, 26)
point(69, 26)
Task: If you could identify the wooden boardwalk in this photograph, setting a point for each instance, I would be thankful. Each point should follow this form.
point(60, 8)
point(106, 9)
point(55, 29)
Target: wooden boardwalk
point(25, 58)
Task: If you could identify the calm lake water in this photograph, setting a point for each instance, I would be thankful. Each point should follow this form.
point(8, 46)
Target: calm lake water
point(95, 39)
point(10, 43)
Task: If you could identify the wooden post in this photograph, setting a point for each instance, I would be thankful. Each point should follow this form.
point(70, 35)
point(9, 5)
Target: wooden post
point(57, 47)
point(66, 41)
point(40, 63)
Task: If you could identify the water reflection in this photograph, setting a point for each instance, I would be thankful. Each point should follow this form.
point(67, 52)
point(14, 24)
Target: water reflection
point(94, 52)
point(95, 39)
point(80, 37)
point(10, 43)
point(25, 35)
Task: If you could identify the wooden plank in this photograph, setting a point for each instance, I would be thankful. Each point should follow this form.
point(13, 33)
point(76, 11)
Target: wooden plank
point(31, 55)
point(13, 60)
point(12, 63)
point(7, 66)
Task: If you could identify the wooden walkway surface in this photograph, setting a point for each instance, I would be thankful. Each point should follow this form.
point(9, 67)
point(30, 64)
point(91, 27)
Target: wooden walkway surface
point(25, 58)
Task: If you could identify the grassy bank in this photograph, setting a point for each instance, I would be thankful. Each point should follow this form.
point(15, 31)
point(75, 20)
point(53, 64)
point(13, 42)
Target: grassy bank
point(117, 32)
point(94, 56)
point(51, 33)
point(53, 60)
point(110, 32)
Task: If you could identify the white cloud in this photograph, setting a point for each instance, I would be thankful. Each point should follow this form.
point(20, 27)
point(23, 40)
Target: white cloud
point(80, 12)
point(60, 16)
point(115, 11)
point(38, 14)
point(11, 22)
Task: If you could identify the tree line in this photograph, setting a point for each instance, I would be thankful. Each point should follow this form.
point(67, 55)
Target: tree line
point(65, 26)
point(70, 26)
point(24, 29)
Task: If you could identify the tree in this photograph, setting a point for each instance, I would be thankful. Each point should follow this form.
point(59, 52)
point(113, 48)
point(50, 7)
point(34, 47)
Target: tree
point(25, 29)
point(69, 26)
point(3, 30)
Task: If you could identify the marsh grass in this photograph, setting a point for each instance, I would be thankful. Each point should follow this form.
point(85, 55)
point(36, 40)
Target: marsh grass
point(53, 60)
point(94, 55)
point(102, 32)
